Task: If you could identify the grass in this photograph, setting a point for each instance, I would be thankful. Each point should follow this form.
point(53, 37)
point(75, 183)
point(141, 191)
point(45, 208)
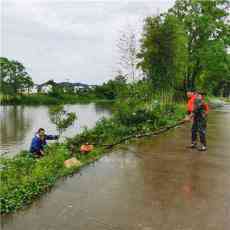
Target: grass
point(227, 100)
point(42, 99)
point(24, 178)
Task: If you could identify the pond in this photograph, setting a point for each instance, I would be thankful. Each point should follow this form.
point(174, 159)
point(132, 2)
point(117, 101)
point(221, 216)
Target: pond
point(18, 124)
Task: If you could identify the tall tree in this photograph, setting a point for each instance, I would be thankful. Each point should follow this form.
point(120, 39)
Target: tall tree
point(206, 22)
point(4, 70)
point(163, 54)
point(128, 48)
point(14, 77)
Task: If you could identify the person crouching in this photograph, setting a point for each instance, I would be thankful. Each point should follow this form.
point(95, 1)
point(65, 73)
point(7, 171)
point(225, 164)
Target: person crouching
point(39, 141)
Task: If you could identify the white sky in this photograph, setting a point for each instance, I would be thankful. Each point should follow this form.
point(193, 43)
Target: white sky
point(75, 40)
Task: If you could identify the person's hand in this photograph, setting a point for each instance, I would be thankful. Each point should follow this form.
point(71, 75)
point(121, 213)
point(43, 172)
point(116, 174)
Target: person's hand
point(187, 118)
point(205, 115)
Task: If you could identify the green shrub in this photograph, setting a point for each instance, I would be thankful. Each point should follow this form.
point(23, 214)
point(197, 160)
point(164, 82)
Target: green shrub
point(23, 177)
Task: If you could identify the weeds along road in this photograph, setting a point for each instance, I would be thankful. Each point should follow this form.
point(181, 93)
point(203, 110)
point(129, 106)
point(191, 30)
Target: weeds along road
point(152, 184)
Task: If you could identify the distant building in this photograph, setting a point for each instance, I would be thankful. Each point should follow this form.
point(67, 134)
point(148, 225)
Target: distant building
point(34, 90)
point(45, 87)
point(27, 91)
point(78, 87)
point(65, 86)
point(92, 86)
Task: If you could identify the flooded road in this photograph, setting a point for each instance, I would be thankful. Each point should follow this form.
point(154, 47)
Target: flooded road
point(152, 184)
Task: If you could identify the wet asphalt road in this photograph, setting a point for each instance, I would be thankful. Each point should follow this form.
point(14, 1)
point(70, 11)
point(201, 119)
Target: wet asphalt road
point(151, 184)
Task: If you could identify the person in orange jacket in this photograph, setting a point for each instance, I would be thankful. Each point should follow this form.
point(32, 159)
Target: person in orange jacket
point(190, 105)
point(197, 113)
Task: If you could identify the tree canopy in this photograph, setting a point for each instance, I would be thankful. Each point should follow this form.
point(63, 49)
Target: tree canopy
point(188, 46)
point(13, 77)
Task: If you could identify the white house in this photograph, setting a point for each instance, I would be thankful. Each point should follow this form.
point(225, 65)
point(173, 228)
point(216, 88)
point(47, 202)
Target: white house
point(34, 90)
point(78, 88)
point(45, 88)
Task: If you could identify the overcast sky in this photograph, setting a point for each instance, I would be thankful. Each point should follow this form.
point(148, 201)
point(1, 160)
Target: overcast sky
point(64, 39)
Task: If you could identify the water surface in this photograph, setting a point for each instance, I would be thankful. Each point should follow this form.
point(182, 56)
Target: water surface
point(18, 124)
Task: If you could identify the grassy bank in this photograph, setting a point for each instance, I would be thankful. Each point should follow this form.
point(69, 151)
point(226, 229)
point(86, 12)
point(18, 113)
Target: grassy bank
point(226, 100)
point(42, 99)
point(24, 178)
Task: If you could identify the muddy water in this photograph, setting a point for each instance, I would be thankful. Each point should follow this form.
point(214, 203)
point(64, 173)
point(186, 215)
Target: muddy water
point(18, 124)
point(152, 184)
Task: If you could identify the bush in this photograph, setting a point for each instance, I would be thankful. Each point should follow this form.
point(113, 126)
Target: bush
point(43, 99)
point(23, 177)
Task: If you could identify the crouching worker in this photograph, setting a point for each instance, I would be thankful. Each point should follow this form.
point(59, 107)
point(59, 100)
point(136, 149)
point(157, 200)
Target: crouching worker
point(39, 142)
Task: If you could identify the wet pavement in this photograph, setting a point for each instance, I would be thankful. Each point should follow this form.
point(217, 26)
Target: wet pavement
point(152, 184)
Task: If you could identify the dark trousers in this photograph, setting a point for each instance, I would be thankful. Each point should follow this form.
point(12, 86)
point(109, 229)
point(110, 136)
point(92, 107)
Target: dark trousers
point(37, 154)
point(199, 126)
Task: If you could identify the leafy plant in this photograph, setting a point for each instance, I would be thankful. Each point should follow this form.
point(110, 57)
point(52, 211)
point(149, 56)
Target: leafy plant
point(61, 118)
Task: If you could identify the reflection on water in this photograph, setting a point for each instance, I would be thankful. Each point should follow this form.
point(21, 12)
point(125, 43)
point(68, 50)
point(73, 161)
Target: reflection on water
point(19, 123)
point(14, 124)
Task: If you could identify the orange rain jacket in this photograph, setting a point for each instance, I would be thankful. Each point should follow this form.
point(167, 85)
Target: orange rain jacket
point(190, 105)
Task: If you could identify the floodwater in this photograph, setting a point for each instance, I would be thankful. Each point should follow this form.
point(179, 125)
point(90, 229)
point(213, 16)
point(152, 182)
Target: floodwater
point(154, 183)
point(18, 124)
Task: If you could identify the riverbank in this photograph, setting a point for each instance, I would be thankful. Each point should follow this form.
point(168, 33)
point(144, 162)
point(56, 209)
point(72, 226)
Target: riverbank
point(42, 99)
point(19, 123)
point(155, 175)
point(24, 179)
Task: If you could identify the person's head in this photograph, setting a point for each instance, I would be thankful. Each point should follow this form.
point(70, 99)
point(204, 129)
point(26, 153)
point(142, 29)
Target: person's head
point(41, 133)
point(203, 94)
point(190, 93)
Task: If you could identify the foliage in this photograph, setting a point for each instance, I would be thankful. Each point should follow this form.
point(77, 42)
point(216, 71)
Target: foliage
point(131, 117)
point(187, 47)
point(163, 52)
point(207, 26)
point(57, 91)
point(215, 78)
point(23, 178)
point(42, 99)
point(13, 77)
point(61, 118)
point(112, 89)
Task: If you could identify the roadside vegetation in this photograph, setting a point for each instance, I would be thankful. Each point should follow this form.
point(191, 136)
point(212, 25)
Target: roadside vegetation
point(24, 178)
point(185, 48)
point(42, 99)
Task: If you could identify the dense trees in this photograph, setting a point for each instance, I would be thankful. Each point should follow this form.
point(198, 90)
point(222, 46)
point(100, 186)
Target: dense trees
point(163, 51)
point(13, 77)
point(111, 89)
point(188, 46)
point(207, 26)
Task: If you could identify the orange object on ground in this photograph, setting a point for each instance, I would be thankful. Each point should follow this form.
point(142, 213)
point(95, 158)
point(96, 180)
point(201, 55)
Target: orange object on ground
point(86, 148)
